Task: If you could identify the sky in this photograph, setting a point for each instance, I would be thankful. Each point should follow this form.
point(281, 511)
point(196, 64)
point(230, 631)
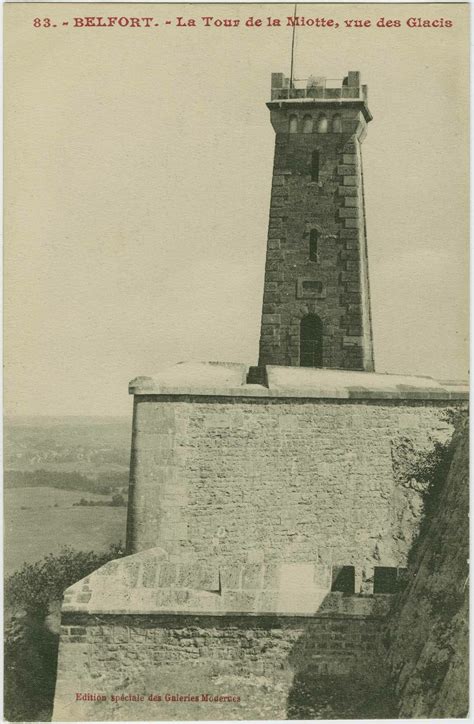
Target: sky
point(138, 172)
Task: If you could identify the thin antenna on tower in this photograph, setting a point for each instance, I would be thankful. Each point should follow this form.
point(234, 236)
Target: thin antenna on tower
point(293, 47)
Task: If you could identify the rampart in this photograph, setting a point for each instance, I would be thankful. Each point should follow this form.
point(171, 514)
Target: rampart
point(142, 630)
point(268, 526)
point(311, 466)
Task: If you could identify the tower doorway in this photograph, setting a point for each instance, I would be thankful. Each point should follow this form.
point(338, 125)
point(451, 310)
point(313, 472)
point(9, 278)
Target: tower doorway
point(311, 341)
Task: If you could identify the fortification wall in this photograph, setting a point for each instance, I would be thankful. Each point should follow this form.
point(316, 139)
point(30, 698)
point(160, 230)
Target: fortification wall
point(244, 501)
point(256, 664)
point(428, 632)
point(280, 477)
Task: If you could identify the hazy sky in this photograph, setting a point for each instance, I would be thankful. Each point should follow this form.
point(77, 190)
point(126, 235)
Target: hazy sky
point(138, 172)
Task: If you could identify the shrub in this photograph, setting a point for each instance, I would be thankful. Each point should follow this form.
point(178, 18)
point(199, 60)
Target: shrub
point(31, 648)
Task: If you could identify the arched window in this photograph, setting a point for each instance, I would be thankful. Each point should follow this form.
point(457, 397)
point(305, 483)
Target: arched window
point(337, 124)
point(293, 124)
point(311, 341)
point(322, 123)
point(313, 245)
point(307, 124)
point(315, 166)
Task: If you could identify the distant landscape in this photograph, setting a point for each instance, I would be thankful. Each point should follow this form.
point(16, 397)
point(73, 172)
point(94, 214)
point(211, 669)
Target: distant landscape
point(66, 483)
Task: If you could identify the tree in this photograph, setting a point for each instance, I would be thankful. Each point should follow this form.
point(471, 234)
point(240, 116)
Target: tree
point(31, 648)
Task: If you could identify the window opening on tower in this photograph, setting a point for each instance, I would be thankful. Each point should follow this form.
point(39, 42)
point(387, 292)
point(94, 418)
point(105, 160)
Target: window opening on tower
point(311, 341)
point(315, 166)
point(313, 245)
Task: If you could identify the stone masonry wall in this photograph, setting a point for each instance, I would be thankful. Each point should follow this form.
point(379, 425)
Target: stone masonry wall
point(278, 479)
point(255, 662)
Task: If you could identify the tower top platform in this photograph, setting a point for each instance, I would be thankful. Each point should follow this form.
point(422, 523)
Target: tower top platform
point(317, 89)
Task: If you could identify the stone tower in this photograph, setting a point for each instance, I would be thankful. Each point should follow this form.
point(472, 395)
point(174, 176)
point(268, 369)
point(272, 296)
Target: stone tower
point(316, 302)
point(269, 514)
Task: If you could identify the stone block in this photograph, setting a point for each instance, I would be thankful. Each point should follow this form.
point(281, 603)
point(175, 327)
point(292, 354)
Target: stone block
point(278, 180)
point(78, 631)
point(348, 234)
point(271, 296)
point(271, 318)
point(349, 276)
point(187, 575)
point(256, 556)
point(277, 202)
point(230, 576)
point(351, 201)
point(271, 577)
point(346, 213)
point(241, 601)
point(217, 420)
point(149, 574)
point(168, 574)
point(83, 597)
point(349, 255)
point(347, 191)
point(346, 170)
point(274, 276)
point(353, 341)
point(148, 421)
point(252, 576)
point(288, 422)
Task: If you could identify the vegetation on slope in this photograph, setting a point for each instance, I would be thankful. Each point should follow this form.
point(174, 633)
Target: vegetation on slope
point(31, 634)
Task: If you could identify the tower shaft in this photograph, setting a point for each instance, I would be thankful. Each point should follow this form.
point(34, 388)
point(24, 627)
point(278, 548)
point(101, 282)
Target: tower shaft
point(316, 303)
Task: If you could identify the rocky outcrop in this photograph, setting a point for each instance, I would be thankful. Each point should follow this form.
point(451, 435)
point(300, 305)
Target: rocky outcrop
point(427, 636)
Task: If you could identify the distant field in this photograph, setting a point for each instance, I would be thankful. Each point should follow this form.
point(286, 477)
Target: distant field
point(34, 527)
point(83, 445)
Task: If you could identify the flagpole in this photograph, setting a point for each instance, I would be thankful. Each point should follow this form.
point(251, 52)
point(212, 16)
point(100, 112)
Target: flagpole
point(293, 47)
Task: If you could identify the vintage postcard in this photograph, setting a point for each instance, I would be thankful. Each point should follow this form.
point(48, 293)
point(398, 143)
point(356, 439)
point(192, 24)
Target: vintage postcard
point(236, 334)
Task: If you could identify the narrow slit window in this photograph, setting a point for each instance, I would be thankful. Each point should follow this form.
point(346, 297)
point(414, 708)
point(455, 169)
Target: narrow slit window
point(307, 124)
point(315, 166)
point(337, 124)
point(313, 245)
point(293, 124)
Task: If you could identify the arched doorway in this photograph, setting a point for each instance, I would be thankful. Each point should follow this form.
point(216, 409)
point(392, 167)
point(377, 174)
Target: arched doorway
point(311, 341)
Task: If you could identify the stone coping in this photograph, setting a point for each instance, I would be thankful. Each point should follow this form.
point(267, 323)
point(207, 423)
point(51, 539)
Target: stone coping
point(228, 379)
point(149, 582)
point(76, 618)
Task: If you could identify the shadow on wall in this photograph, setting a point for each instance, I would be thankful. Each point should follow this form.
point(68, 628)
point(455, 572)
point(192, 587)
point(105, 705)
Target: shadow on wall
point(339, 672)
point(414, 663)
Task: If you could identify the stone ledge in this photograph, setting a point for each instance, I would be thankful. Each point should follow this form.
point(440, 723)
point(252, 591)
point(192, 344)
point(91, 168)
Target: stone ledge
point(285, 589)
point(214, 379)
